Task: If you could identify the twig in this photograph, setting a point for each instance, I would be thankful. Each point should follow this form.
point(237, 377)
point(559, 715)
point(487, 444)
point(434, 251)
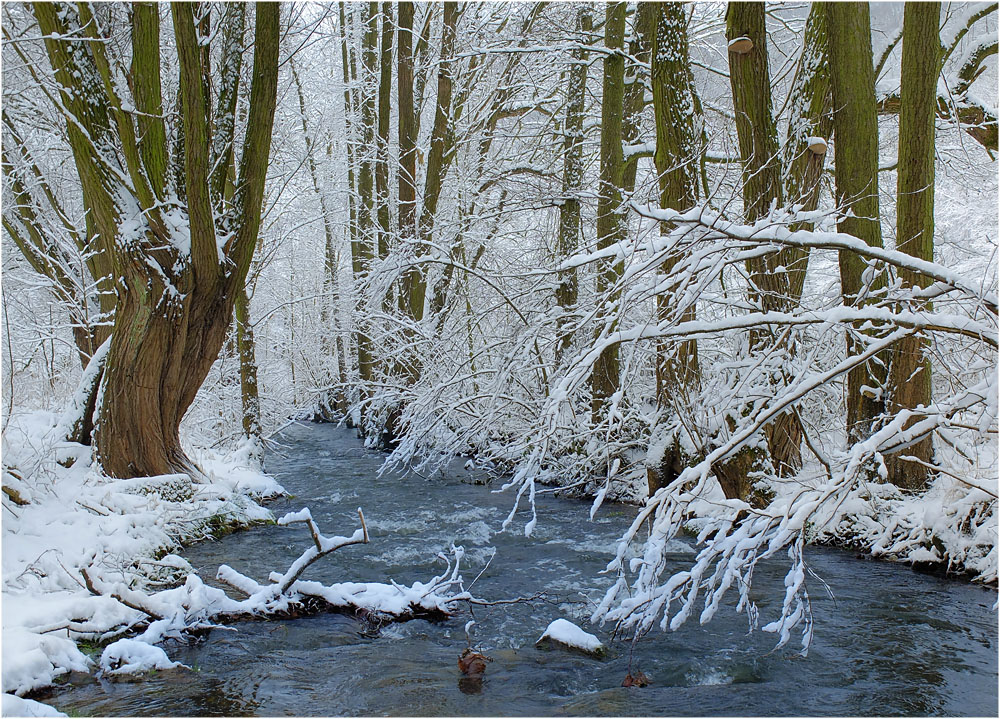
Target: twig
point(323, 545)
point(488, 563)
point(129, 597)
point(813, 448)
point(516, 600)
point(942, 470)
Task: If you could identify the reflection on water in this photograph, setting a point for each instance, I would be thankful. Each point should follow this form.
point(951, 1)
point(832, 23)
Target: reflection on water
point(892, 642)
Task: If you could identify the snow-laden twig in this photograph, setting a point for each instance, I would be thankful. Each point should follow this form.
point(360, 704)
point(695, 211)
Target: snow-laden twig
point(323, 545)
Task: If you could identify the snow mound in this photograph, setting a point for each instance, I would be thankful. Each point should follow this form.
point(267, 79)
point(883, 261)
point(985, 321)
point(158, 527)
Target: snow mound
point(14, 706)
point(31, 660)
point(133, 656)
point(564, 632)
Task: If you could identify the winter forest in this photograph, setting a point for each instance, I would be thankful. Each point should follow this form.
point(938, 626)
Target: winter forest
point(636, 329)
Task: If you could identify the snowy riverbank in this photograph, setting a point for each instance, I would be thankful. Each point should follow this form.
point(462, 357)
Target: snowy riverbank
point(124, 532)
point(952, 526)
point(61, 520)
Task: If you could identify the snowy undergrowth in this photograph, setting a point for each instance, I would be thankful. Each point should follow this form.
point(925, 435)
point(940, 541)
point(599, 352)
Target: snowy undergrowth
point(952, 525)
point(124, 532)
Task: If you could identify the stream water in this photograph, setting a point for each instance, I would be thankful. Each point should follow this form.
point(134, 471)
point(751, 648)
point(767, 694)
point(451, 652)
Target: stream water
point(889, 642)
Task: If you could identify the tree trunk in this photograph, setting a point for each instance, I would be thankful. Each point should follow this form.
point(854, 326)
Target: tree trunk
point(677, 158)
point(640, 45)
point(407, 127)
point(678, 149)
point(363, 247)
point(569, 209)
point(610, 222)
point(758, 140)
point(414, 285)
point(407, 173)
point(438, 157)
point(175, 291)
point(249, 394)
point(910, 375)
point(359, 341)
point(467, 213)
point(750, 80)
point(810, 110)
point(382, 145)
point(855, 126)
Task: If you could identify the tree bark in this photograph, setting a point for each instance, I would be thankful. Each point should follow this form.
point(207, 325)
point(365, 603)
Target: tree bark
point(679, 126)
point(174, 306)
point(855, 126)
point(678, 151)
point(437, 159)
point(360, 344)
point(758, 140)
point(610, 222)
point(407, 134)
point(249, 393)
point(363, 247)
point(910, 374)
point(567, 291)
point(382, 145)
point(810, 109)
point(640, 46)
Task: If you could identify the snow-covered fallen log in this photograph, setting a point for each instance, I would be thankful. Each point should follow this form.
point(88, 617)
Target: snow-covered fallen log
point(195, 606)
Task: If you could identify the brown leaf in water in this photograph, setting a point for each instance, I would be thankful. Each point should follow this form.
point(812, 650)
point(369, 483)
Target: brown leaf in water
point(635, 680)
point(472, 663)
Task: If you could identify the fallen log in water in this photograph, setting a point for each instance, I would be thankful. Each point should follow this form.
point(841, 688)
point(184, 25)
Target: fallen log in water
point(194, 607)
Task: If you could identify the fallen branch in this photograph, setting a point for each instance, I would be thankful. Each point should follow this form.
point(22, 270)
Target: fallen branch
point(195, 607)
point(324, 545)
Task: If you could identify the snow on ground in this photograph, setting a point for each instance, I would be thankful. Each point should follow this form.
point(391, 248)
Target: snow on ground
point(952, 524)
point(15, 706)
point(122, 532)
point(88, 557)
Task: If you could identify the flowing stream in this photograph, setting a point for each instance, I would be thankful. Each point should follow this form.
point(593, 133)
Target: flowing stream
point(890, 641)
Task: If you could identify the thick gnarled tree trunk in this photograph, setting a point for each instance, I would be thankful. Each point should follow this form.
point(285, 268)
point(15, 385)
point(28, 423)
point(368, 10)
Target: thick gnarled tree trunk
point(176, 280)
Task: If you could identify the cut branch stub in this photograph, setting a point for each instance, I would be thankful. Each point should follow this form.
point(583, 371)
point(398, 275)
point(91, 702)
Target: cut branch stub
point(740, 45)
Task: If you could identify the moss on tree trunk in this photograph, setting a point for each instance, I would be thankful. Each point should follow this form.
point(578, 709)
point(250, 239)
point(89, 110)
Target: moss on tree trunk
point(910, 373)
point(856, 173)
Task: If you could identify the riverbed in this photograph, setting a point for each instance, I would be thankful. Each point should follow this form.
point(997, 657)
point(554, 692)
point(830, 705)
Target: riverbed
point(887, 640)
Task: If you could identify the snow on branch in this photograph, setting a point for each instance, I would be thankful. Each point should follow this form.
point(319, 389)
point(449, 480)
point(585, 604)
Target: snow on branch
point(740, 398)
point(323, 545)
point(776, 231)
point(195, 606)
